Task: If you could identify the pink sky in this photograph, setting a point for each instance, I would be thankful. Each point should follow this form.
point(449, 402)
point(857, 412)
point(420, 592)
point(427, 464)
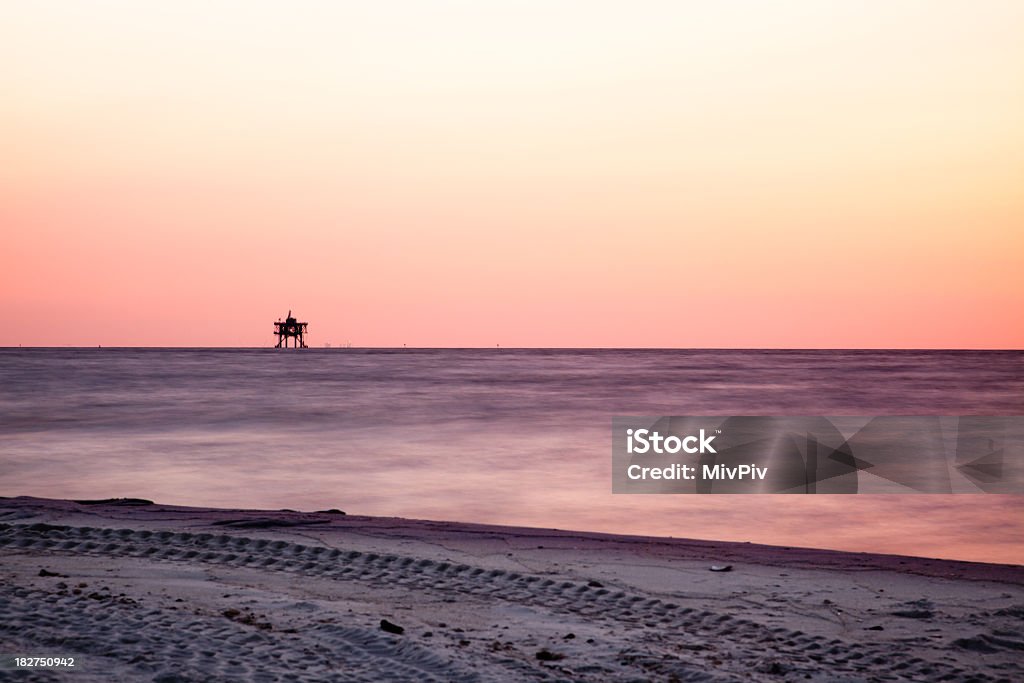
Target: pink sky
point(798, 174)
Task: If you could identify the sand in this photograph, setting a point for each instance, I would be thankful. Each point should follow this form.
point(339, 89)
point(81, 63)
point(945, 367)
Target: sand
point(166, 593)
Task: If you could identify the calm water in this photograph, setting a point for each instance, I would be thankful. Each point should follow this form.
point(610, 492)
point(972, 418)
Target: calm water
point(502, 436)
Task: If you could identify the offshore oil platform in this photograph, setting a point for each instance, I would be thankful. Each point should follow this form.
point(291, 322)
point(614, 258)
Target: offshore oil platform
point(292, 329)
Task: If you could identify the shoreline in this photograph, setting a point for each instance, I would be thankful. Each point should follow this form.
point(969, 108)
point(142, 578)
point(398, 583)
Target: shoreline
point(157, 515)
point(169, 593)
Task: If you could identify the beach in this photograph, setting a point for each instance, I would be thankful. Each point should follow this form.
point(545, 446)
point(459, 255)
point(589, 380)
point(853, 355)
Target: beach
point(512, 341)
point(145, 592)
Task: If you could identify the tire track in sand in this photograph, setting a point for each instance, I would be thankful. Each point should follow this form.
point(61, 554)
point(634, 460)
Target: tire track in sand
point(748, 643)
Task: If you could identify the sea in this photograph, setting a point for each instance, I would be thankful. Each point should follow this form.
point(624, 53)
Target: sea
point(504, 436)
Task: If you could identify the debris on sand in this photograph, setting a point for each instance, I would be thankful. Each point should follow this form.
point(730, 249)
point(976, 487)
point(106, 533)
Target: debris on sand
point(388, 627)
point(549, 656)
point(247, 618)
point(721, 567)
point(46, 572)
point(773, 667)
point(915, 609)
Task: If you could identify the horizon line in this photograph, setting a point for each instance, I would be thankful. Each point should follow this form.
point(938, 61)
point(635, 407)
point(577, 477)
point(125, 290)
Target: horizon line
point(520, 348)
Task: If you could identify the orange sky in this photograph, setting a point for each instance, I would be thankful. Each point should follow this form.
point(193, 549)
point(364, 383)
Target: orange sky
point(568, 173)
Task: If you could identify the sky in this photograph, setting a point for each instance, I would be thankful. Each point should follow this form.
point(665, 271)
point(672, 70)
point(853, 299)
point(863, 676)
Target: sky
point(551, 173)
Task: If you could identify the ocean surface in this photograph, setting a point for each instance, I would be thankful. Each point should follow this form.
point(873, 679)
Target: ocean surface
point(507, 436)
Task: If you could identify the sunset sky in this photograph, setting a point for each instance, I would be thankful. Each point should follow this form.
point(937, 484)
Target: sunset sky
point(550, 173)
